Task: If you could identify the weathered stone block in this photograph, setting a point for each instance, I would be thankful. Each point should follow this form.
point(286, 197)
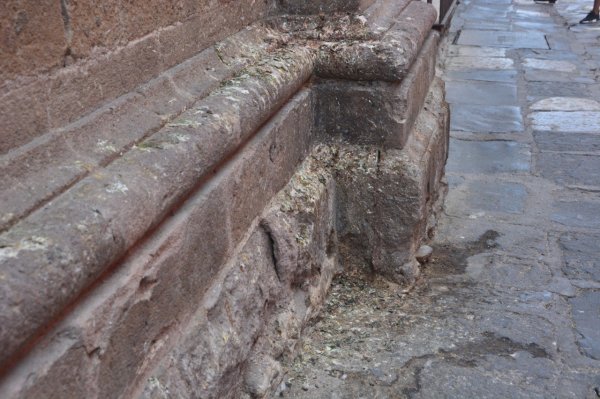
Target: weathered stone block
point(32, 37)
point(157, 263)
point(18, 127)
point(94, 25)
point(387, 59)
point(198, 32)
point(386, 196)
point(200, 74)
point(317, 6)
point(270, 160)
point(154, 177)
point(376, 113)
point(102, 79)
point(268, 290)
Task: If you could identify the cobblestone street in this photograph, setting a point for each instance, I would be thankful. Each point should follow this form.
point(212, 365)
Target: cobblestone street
point(509, 304)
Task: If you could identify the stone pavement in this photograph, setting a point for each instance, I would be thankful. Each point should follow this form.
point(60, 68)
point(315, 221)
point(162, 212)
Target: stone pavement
point(509, 305)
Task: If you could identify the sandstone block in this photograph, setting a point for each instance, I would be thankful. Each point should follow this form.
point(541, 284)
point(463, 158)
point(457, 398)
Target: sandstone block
point(256, 297)
point(18, 127)
point(316, 6)
point(92, 225)
point(270, 161)
point(200, 74)
point(116, 333)
point(32, 37)
point(388, 59)
point(376, 113)
point(102, 79)
point(386, 196)
point(94, 25)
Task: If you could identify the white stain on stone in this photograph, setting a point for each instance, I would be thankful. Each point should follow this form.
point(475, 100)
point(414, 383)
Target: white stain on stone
point(117, 187)
point(566, 104)
point(105, 146)
point(551, 65)
point(34, 243)
point(181, 138)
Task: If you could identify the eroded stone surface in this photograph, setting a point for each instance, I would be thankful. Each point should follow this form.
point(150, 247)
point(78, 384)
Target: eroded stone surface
point(582, 256)
point(508, 39)
point(552, 65)
point(570, 169)
point(514, 256)
point(486, 118)
point(586, 313)
point(577, 121)
point(488, 157)
point(480, 63)
point(566, 104)
point(476, 92)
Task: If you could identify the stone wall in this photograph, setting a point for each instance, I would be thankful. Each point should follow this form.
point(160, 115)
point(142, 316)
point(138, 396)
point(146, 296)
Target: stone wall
point(176, 232)
point(63, 59)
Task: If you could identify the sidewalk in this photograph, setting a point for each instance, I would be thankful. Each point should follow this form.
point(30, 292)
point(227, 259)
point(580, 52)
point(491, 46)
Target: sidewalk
point(510, 303)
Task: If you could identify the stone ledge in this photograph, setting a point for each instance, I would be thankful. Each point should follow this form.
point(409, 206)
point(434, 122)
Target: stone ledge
point(192, 312)
point(81, 148)
point(51, 257)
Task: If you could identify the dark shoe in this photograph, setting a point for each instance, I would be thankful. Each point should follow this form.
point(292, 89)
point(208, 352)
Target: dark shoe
point(545, 1)
point(591, 17)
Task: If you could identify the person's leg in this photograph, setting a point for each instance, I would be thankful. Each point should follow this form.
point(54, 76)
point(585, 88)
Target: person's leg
point(594, 15)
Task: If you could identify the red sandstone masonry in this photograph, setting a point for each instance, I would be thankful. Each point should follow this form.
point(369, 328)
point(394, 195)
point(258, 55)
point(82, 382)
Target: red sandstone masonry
point(133, 315)
point(32, 37)
point(85, 232)
point(134, 52)
point(92, 142)
point(338, 100)
point(93, 224)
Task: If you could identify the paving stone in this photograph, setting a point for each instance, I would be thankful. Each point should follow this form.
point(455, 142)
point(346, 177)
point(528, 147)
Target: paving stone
point(488, 157)
point(544, 75)
point(558, 141)
point(497, 197)
point(566, 104)
point(556, 41)
point(475, 196)
point(532, 25)
point(570, 169)
point(477, 92)
point(577, 213)
point(556, 89)
point(581, 255)
point(530, 14)
point(489, 75)
point(548, 54)
point(479, 63)
point(469, 51)
point(580, 121)
point(586, 313)
point(503, 39)
point(482, 13)
point(551, 65)
point(499, 25)
point(486, 119)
